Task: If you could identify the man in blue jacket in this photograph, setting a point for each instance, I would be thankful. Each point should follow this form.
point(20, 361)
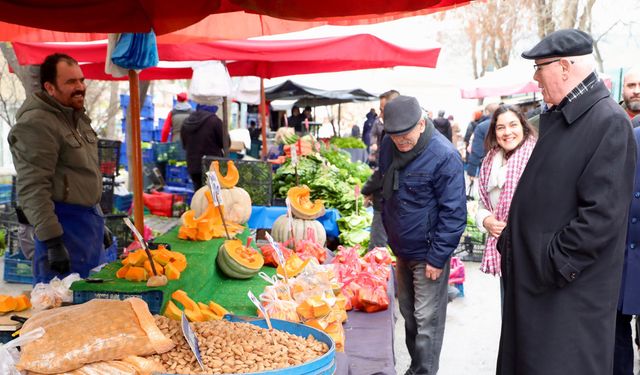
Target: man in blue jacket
point(424, 213)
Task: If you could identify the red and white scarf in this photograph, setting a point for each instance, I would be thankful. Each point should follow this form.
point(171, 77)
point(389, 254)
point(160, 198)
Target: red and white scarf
point(515, 166)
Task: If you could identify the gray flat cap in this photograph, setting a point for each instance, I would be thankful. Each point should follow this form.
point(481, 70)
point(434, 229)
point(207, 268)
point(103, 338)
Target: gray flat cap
point(561, 43)
point(401, 115)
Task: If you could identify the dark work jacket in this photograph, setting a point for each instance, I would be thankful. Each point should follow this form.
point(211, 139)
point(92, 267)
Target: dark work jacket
point(444, 127)
point(201, 135)
point(426, 216)
point(477, 145)
point(629, 302)
point(563, 246)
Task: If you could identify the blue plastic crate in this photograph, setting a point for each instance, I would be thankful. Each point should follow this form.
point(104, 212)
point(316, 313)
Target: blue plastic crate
point(122, 203)
point(124, 101)
point(177, 176)
point(153, 298)
point(185, 192)
point(147, 155)
point(123, 155)
point(17, 269)
point(5, 193)
point(112, 251)
point(157, 135)
point(147, 124)
point(146, 135)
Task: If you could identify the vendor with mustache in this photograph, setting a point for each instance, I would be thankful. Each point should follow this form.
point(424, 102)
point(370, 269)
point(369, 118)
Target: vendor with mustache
point(58, 182)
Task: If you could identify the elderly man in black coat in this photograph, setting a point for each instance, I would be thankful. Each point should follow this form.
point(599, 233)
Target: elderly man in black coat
point(563, 246)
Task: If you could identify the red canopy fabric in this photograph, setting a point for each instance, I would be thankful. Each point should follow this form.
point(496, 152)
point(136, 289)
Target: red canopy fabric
point(337, 10)
point(262, 58)
point(109, 16)
point(26, 22)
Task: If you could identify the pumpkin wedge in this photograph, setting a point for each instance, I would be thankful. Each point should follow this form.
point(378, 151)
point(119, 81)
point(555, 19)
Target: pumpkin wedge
point(301, 205)
point(231, 178)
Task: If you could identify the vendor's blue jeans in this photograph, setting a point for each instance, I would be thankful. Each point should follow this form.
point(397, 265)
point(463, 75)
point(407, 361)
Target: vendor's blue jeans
point(423, 305)
point(83, 237)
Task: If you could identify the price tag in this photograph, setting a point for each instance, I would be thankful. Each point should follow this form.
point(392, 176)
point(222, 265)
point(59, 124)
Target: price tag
point(214, 186)
point(192, 340)
point(260, 307)
point(286, 121)
point(306, 124)
point(357, 191)
point(276, 248)
point(294, 156)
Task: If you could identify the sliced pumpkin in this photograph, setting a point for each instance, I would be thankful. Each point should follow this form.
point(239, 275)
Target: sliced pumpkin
point(159, 268)
point(22, 303)
point(172, 311)
point(136, 274)
point(182, 297)
point(217, 309)
point(171, 272)
point(301, 205)
point(122, 272)
point(294, 265)
point(232, 177)
point(7, 303)
point(179, 264)
point(195, 315)
point(137, 258)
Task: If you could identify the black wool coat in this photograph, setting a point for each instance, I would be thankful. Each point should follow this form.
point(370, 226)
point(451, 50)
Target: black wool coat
point(563, 246)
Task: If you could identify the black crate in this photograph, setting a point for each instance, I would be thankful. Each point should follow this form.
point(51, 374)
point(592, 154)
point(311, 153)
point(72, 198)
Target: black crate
point(255, 177)
point(109, 157)
point(119, 229)
point(106, 200)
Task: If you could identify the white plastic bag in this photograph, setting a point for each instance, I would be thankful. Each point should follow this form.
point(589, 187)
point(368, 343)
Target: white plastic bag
point(9, 354)
point(209, 82)
point(46, 296)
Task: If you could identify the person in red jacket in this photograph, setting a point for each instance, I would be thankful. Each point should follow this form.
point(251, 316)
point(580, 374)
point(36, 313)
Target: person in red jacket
point(175, 118)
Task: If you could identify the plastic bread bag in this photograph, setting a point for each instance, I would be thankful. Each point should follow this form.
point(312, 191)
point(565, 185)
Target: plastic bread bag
point(9, 354)
point(132, 365)
point(99, 330)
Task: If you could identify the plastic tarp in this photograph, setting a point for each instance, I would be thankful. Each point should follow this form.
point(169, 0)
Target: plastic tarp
point(261, 58)
point(315, 97)
point(513, 79)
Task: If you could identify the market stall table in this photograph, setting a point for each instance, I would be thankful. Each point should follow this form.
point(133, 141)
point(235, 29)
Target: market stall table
point(368, 336)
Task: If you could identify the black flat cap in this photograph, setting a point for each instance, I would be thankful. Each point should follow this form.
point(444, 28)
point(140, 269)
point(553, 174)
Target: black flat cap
point(401, 115)
point(561, 43)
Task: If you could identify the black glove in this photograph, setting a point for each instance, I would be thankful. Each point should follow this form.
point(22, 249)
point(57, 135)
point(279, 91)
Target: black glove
point(107, 239)
point(58, 255)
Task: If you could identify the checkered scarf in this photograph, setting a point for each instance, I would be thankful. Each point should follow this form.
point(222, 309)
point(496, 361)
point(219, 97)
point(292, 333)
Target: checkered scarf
point(515, 166)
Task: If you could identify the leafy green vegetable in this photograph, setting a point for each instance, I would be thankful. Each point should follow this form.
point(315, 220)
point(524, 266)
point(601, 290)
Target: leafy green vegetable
point(348, 142)
point(353, 229)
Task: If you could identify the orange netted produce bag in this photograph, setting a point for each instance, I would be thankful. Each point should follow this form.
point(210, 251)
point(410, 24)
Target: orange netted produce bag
point(99, 330)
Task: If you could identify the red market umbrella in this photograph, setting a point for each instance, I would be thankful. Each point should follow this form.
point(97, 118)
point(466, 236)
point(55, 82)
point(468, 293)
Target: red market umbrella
point(261, 58)
point(238, 17)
